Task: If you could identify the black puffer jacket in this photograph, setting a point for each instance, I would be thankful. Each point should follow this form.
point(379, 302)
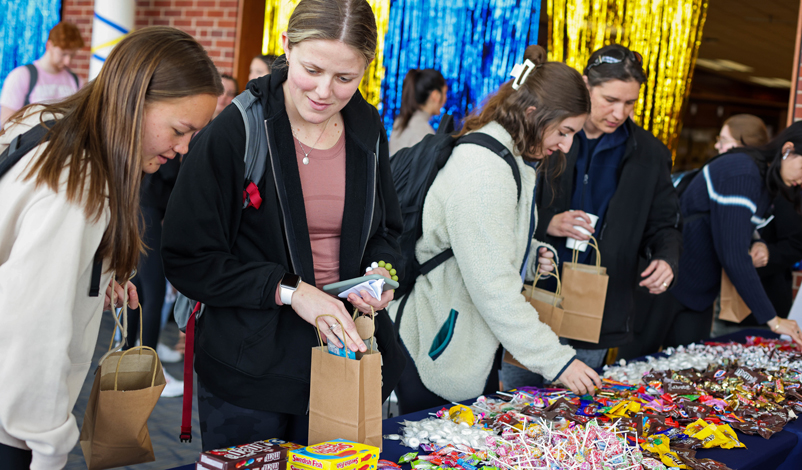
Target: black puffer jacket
point(249, 351)
point(643, 219)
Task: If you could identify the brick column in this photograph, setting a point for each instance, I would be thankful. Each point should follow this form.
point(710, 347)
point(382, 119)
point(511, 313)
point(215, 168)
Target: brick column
point(212, 22)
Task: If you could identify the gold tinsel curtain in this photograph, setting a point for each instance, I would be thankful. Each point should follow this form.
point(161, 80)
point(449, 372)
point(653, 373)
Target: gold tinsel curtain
point(277, 15)
point(667, 33)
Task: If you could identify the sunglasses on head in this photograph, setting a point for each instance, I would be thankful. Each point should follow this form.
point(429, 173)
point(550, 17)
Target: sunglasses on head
point(615, 56)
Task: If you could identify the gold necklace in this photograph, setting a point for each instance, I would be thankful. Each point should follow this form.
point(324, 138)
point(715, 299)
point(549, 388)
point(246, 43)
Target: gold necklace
point(306, 154)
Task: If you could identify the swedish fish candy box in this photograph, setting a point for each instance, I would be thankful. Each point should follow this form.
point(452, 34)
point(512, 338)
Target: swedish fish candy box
point(338, 454)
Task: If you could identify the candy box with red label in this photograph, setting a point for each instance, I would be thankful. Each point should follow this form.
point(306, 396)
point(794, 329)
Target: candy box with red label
point(338, 454)
point(257, 455)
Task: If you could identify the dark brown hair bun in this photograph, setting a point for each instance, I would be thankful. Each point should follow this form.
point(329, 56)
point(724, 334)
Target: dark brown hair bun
point(536, 54)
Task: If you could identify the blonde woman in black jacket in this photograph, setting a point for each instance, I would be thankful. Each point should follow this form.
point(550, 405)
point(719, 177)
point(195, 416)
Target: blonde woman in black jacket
point(328, 211)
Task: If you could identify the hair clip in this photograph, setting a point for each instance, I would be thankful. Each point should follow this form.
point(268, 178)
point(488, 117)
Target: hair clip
point(521, 72)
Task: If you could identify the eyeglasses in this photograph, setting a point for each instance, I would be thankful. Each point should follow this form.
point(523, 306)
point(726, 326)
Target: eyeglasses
point(615, 56)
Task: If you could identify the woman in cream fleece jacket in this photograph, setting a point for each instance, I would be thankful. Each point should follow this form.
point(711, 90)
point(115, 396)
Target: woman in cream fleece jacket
point(457, 315)
point(70, 200)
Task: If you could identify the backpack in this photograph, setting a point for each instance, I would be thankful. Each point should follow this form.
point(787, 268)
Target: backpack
point(414, 170)
point(34, 74)
point(18, 148)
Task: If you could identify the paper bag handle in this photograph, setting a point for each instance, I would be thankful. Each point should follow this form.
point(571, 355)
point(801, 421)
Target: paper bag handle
point(595, 244)
point(140, 348)
point(554, 274)
point(320, 333)
point(124, 326)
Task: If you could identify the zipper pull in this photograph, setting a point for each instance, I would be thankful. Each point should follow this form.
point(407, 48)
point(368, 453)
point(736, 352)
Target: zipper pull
point(585, 179)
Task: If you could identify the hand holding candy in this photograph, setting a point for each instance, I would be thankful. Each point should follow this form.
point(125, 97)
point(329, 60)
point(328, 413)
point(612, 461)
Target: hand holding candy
point(545, 259)
point(309, 302)
point(367, 301)
point(580, 378)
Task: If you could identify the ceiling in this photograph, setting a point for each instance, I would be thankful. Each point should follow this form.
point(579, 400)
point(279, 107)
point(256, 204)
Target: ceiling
point(757, 34)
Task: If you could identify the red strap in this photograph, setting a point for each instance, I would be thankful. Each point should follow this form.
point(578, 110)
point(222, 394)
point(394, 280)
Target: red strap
point(189, 351)
point(251, 194)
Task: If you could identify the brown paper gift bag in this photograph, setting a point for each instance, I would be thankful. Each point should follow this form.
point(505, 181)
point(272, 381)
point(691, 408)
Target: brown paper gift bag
point(584, 289)
point(548, 305)
point(345, 395)
point(126, 388)
point(733, 307)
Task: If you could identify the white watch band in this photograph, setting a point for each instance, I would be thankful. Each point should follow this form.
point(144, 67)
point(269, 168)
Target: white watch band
point(286, 295)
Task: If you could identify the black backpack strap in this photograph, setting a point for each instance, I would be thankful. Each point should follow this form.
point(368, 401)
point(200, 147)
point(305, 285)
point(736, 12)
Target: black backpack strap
point(484, 140)
point(97, 270)
point(21, 145)
point(75, 77)
point(34, 74)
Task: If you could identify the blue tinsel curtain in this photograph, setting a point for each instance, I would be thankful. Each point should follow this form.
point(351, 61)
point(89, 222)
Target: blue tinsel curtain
point(24, 26)
point(473, 43)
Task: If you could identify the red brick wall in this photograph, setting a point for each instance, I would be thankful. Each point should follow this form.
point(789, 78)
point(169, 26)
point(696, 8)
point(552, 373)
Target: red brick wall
point(212, 22)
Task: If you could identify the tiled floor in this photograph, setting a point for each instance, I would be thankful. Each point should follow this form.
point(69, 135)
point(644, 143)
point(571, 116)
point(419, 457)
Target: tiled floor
point(165, 421)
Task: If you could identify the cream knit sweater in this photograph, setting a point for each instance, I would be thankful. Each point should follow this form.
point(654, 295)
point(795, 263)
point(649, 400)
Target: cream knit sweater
point(472, 208)
point(49, 323)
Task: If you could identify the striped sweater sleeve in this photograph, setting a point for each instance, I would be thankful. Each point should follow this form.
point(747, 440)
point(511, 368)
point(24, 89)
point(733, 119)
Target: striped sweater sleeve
point(733, 218)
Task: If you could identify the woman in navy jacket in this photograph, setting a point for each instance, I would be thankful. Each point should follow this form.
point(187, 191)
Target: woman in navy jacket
point(721, 208)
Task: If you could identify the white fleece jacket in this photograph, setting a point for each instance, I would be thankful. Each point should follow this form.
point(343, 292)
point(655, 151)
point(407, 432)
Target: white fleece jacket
point(472, 208)
point(49, 324)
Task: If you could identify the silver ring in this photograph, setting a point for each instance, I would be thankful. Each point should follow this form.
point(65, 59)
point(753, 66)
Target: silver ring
point(665, 285)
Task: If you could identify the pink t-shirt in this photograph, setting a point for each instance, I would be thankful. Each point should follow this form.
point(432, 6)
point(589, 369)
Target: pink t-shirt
point(323, 184)
point(49, 87)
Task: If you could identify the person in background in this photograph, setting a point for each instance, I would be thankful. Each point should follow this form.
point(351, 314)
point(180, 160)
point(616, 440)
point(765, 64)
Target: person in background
point(780, 244)
point(47, 79)
point(479, 289)
point(74, 199)
point(721, 208)
point(620, 173)
point(423, 96)
point(261, 65)
point(232, 90)
point(329, 212)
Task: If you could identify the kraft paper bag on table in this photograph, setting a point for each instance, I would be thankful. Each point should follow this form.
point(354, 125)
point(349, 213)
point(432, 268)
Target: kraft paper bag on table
point(548, 305)
point(733, 307)
point(584, 289)
point(345, 394)
point(126, 388)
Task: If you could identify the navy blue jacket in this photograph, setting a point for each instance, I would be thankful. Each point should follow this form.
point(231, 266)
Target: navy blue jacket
point(723, 206)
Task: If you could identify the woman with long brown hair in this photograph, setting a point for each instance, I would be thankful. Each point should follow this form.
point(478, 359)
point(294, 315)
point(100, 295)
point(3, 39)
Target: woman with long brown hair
point(72, 200)
point(458, 314)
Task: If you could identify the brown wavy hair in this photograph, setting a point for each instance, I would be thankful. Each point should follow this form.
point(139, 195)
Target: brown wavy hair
point(97, 136)
point(556, 91)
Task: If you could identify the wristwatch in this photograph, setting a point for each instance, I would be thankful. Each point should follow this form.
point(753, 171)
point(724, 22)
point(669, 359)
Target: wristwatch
point(287, 287)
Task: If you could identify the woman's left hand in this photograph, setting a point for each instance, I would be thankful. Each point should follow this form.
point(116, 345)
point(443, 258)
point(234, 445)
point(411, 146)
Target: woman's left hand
point(545, 259)
point(658, 277)
point(366, 301)
point(133, 298)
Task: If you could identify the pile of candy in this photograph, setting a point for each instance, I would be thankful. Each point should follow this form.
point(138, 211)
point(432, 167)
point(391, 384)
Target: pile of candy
point(757, 353)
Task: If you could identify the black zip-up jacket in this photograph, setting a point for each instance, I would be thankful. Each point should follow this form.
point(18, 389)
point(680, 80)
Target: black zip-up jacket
point(249, 351)
point(643, 219)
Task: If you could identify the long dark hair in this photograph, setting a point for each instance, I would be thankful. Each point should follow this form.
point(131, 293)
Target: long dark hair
point(98, 137)
point(418, 85)
point(769, 159)
point(556, 91)
point(630, 67)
